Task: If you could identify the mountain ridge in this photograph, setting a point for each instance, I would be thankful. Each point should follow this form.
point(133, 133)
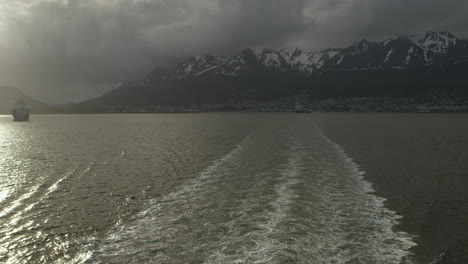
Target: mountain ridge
point(408, 50)
point(404, 66)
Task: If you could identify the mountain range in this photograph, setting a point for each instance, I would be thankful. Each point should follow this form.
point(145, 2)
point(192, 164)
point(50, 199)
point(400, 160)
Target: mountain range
point(403, 66)
point(400, 52)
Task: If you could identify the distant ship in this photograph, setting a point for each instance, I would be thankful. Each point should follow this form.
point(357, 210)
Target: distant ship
point(20, 112)
point(298, 108)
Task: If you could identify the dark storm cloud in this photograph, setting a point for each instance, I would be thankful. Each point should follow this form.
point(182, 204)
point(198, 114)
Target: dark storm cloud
point(76, 48)
point(341, 22)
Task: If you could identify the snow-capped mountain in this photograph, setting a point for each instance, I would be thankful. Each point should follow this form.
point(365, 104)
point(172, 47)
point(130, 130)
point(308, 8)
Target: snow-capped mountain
point(405, 65)
point(409, 50)
point(196, 65)
point(438, 43)
point(253, 61)
point(306, 63)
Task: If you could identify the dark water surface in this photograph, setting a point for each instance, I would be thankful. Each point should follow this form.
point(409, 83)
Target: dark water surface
point(419, 162)
point(224, 188)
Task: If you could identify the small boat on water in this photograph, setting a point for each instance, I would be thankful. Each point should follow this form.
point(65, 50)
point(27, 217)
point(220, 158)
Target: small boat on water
point(20, 112)
point(298, 108)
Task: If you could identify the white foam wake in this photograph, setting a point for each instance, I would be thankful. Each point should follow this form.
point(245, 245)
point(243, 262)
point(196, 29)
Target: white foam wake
point(388, 245)
point(264, 234)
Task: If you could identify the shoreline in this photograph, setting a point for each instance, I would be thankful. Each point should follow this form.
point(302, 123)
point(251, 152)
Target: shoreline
point(234, 112)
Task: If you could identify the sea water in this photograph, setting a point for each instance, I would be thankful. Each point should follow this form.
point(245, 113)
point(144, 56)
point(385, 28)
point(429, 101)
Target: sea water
point(201, 188)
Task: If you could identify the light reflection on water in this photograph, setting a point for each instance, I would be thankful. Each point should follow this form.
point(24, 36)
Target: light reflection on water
point(64, 180)
point(11, 168)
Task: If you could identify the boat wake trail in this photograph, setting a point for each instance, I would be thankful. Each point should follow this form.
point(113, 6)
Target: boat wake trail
point(158, 228)
point(257, 234)
point(286, 194)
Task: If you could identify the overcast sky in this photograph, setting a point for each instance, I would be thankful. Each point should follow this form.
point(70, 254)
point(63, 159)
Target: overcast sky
point(69, 50)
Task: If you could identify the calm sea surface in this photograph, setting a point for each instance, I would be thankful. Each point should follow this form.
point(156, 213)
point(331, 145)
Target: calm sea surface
point(187, 188)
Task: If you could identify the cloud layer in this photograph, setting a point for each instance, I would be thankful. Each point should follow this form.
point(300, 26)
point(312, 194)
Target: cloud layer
point(74, 49)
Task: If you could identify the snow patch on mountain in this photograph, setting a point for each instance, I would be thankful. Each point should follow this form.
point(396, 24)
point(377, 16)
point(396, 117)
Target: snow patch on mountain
point(409, 56)
point(432, 41)
point(271, 59)
point(340, 60)
point(196, 65)
point(388, 41)
point(307, 62)
point(360, 47)
point(389, 54)
point(331, 52)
